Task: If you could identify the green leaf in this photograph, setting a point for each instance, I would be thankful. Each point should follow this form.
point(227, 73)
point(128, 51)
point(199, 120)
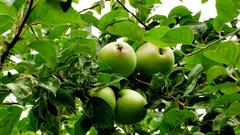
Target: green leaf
point(82, 126)
point(53, 14)
point(7, 10)
point(104, 78)
point(76, 33)
point(109, 79)
point(226, 53)
point(57, 31)
point(219, 121)
point(226, 87)
point(171, 120)
point(84, 46)
point(9, 116)
point(173, 106)
point(141, 3)
point(157, 82)
point(6, 23)
point(96, 107)
point(238, 63)
point(182, 35)
point(51, 84)
point(198, 28)
point(154, 35)
point(47, 50)
point(169, 38)
point(3, 95)
point(179, 11)
point(222, 118)
point(112, 17)
point(219, 22)
point(192, 61)
point(63, 98)
point(18, 4)
point(193, 78)
point(89, 18)
point(215, 72)
point(204, 1)
point(126, 29)
point(151, 2)
point(21, 89)
point(197, 16)
point(143, 13)
point(75, 1)
point(226, 12)
point(168, 21)
point(226, 99)
point(233, 109)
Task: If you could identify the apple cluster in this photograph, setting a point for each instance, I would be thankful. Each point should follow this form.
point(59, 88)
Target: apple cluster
point(149, 59)
point(128, 108)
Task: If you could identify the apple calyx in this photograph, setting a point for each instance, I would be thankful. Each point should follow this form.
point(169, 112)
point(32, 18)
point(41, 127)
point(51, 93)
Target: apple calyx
point(119, 47)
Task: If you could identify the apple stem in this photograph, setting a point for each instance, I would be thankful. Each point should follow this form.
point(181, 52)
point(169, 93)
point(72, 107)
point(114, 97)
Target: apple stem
point(161, 51)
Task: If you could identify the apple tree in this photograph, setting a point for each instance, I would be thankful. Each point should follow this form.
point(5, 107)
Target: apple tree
point(162, 75)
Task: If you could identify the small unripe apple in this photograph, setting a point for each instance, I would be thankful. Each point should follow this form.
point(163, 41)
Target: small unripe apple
point(151, 59)
point(120, 56)
point(106, 94)
point(130, 107)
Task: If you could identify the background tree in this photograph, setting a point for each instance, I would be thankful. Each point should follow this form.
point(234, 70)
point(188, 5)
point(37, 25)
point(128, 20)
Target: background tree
point(48, 62)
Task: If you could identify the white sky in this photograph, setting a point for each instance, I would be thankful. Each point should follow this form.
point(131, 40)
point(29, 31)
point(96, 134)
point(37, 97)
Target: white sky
point(208, 9)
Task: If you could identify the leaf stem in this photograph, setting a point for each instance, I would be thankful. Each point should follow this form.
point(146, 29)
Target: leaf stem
point(144, 25)
point(17, 35)
point(213, 43)
point(33, 31)
point(236, 76)
point(141, 81)
point(92, 7)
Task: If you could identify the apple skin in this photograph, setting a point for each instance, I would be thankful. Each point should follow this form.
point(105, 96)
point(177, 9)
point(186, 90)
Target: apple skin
point(106, 94)
point(120, 56)
point(130, 107)
point(151, 59)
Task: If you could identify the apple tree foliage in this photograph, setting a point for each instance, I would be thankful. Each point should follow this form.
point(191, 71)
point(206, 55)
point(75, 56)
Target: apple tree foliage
point(56, 52)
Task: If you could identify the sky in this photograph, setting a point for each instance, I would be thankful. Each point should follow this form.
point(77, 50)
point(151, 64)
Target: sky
point(208, 9)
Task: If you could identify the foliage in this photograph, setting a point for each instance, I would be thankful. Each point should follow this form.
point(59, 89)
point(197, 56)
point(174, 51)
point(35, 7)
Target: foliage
point(55, 63)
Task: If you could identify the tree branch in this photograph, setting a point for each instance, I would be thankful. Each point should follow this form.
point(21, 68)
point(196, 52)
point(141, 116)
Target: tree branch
point(144, 25)
point(211, 44)
point(17, 35)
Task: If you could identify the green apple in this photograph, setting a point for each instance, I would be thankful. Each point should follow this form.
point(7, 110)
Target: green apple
point(120, 56)
point(106, 94)
point(151, 59)
point(130, 107)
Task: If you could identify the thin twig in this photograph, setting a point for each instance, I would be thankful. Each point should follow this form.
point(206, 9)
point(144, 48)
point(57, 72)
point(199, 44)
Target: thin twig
point(144, 25)
point(141, 81)
point(92, 7)
point(33, 31)
point(211, 44)
point(17, 36)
